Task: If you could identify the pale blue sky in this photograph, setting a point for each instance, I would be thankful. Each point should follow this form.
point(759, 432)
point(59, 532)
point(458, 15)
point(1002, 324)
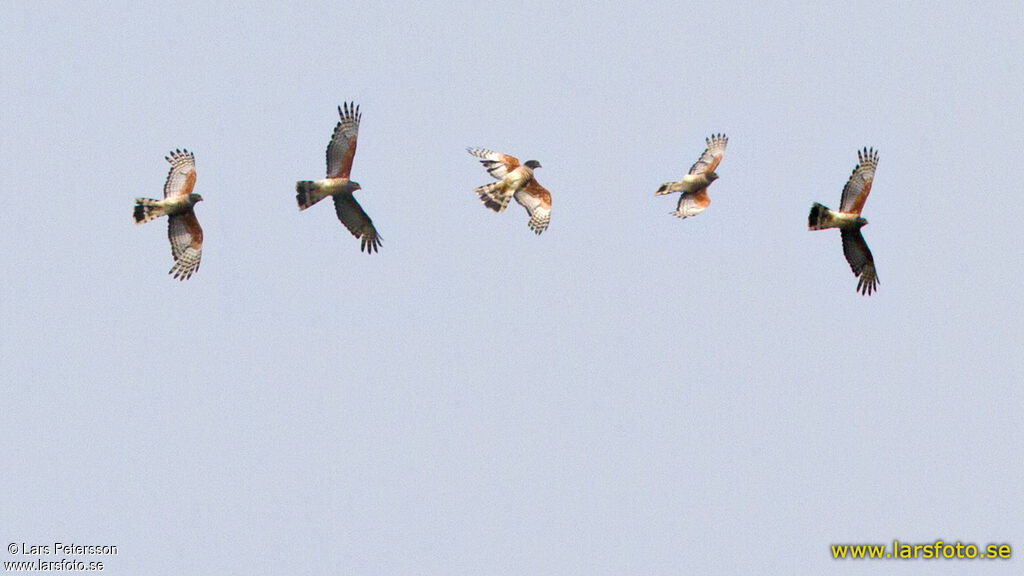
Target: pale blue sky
point(626, 394)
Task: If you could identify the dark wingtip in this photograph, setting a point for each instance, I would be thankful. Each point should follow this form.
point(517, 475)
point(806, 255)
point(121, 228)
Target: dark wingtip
point(370, 245)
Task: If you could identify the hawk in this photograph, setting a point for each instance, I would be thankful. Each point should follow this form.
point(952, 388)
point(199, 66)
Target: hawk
point(182, 227)
point(340, 153)
point(515, 180)
point(694, 185)
point(849, 222)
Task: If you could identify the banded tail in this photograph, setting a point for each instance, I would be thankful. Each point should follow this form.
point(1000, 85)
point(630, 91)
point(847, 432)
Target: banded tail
point(820, 217)
point(495, 195)
point(668, 188)
point(307, 194)
point(147, 209)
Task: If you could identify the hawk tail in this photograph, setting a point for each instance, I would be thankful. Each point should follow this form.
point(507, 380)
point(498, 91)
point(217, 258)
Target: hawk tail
point(820, 217)
point(307, 194)
point(495, 195)
point(147, 209)
point(668, 188)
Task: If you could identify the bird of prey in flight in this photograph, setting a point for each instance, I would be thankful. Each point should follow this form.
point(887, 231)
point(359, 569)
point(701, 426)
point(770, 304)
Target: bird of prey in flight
point(517, 181)
point(182, 226)
point(340, 152)
point(849, 221)
point(694, 186)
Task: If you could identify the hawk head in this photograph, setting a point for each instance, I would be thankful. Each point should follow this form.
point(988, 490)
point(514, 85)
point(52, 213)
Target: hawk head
point(711, 176)
point(353, 185)
point(194, 198)
point(532, 164)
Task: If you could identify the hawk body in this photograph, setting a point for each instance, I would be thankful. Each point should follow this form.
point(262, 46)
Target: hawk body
point(691, 183)
point(183, 230)
point(341, 152)
point(849, 221)
point(694, 185)
point(517, 181)
point(308, 193)
point(147, 209)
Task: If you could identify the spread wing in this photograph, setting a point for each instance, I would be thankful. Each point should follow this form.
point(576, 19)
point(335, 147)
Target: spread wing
point(861, 262)
point(537, 201)
point(342, 148)
point(186, 244)
point(182, 177)
point(692, 203)
point(857, 188)
point(496, 163)
point(712, 155)
point(358, 223)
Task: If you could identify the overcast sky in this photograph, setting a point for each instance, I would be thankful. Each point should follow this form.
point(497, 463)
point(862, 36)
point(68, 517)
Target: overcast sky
point(628, 393)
